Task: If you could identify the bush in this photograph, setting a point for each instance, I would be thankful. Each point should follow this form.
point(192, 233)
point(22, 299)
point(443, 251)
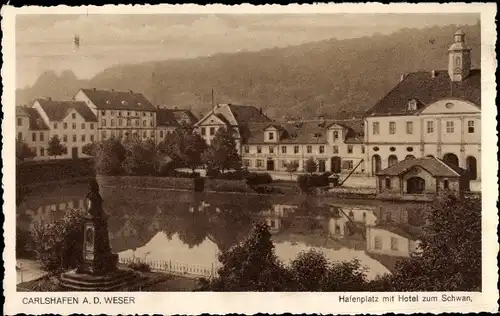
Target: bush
point(24, 243)
point(233, 175)
point(58, 245)
point(140, 158)
point(254, 178)
point(212, 173)
point(109, 156)
point(139, 266)
point(183, 174)
point(307, 181)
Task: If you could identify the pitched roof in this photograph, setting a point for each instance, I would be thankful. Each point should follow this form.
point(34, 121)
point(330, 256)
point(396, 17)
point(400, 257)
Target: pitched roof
point(58, 110)
point(118, 100)
point(433, 165)
point(21, 111)
point(422, 87)
point(238, 115)
point(166, 117)
point(36, 121)
point(185, 115)
point(303, 132)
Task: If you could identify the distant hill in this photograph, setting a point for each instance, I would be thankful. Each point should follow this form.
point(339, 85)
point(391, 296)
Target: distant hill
point(319, 78)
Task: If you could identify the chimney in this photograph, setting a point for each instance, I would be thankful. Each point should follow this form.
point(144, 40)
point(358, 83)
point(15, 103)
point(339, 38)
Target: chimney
point(131, 91)
point(260, 111)
point(49, 98)
point(433, 74)
point(94, 89)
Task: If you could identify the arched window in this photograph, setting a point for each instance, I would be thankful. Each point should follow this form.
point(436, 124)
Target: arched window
point(457, 61)
point(410, 157)
point(393, 159)
point(387, 183)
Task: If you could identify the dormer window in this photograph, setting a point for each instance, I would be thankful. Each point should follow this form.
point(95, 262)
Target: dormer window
point(412, 105)
point(124, 102)
point(271, 136)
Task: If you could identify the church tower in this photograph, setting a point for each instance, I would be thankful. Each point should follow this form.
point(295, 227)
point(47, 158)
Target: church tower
point(459, 62)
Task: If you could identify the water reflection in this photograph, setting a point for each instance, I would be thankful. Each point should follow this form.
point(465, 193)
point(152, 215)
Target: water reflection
point(192, 228)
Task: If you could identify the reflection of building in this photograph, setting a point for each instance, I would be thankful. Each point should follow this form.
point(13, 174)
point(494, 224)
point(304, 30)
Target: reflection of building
point(334, 145)
point(427, 176)
point(433, 113)
point(274, 217)
point(390, 240)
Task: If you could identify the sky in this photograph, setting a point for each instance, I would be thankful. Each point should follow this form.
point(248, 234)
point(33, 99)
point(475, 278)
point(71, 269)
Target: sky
point(45, 42)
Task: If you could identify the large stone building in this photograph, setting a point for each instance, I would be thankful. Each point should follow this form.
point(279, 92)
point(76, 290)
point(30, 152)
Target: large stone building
point(430, 113)
point(120, 114)
point(336, 146)
point(32, 130)
point(72, 121)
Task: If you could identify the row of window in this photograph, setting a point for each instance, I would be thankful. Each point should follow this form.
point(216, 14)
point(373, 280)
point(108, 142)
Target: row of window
point(74, 125)
point(121, 133)
point(125, 113)
point(74, 138)
point(33, 136)
point(388, 183)
point(211, 131)
point(42, 152)
point(260, 163)
point(378, 243)
point(450, 127)
point(128, 122)
point(309, 149)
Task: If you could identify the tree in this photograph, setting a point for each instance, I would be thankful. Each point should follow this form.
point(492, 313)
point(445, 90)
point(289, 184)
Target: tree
point(139, 158)
point(59, 245)
point(292, 167)
point(449, 254)
point(109, 156)
point(184, 147)
point(23, 151)
point(222, 153)
point(310, 165)
point(89, 149)
point(56, 148)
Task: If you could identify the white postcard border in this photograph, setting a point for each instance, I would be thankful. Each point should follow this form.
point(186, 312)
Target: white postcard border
point(250, 303)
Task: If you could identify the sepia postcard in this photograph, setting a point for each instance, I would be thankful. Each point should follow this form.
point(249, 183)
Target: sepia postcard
point(187, 159)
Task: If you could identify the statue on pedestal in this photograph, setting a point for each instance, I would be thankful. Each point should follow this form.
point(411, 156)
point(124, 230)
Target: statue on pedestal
point(97, 256)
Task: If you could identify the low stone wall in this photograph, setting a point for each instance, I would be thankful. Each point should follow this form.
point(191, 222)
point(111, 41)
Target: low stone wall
point(146, 182)
point(29, 173)
point(222, 185)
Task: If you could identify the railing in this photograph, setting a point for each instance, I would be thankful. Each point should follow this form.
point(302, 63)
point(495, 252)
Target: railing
point(175, 267)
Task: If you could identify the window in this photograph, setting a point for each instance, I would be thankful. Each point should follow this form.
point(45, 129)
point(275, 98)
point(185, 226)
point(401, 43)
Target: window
point(212, 131)
point(446, 184)
point(144, 123)
point(65, 125)
point(120, 132)
point(144, 134)
point(430, 127)
point(321, 149)
point(91, 125)
point(450, 127)
point(119, 113)
point(246, 163)
point(151, 123)
point(296, 149)
point(271, 149)
point(112, 122)
point(412, 105)
point(392, 127)
point(309, 149)
point(73, 116)
point(349, 149)
point(387, 183)
point(271, 135)
point(203, 130)
point(19, 135)
point(161, 134)
point(362, 149)
point(103, 122)
point(260, 163)
point(83, 125)
point(376, 128)
point(144, 114)
point(42, 151)
point(410, 149)
point(129, 122)
point(42, 136)
point(394, 243)
point(392, 148)
point(55, 125)
point(74, 138)
point(246, 149)
point(335, 135)
point(335, 149)
point(151, 134)
point(73, 125)
point(137, 122)
point(112, 112)
point(378, 243)
point(128, 113)
point(283, 164)
point(283, 149)
point(65, 138)
point(103, 134)
point(409, 127)
point(347, 164)
point(470, 127)
point(259, 149)
point(33, 137)
point(103, 113)
point(375, 148)
point(83, 138)
point(19, 121)
point(120, 122)
point(91, 138)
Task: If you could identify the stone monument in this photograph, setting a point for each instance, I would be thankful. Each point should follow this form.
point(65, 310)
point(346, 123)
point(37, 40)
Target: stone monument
point(98, 270)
